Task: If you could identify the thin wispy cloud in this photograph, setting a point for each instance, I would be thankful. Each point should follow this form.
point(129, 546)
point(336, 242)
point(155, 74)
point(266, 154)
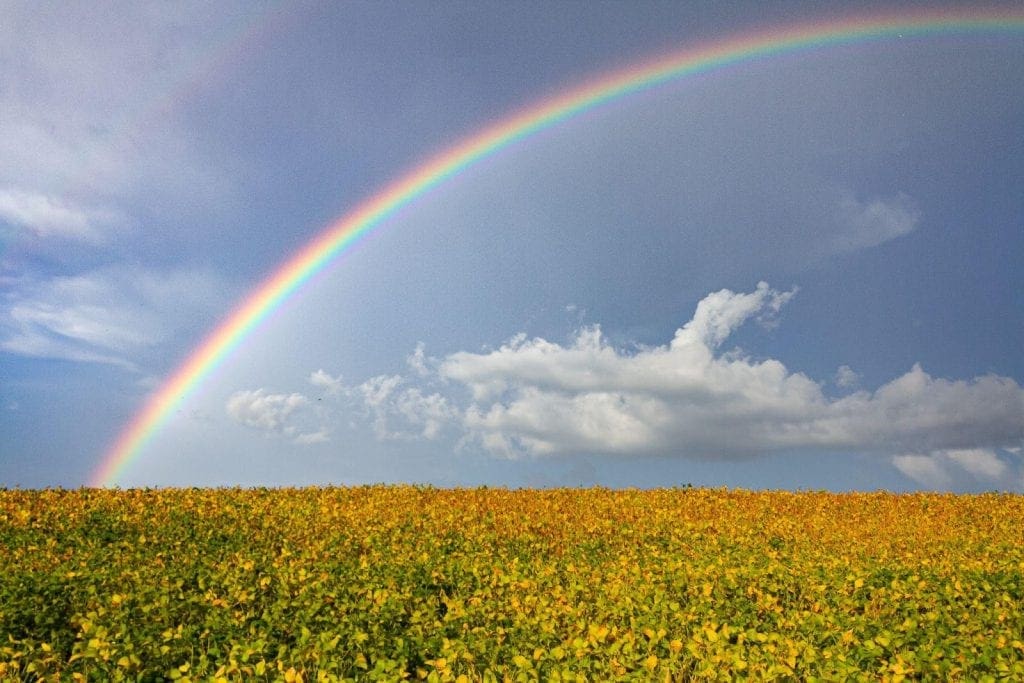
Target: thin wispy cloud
point(110, 315)
point(866, 224)
point(44, 216)
point(941, 469)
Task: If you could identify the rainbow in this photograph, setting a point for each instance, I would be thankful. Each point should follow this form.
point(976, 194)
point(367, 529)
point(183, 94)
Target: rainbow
point(347, 230)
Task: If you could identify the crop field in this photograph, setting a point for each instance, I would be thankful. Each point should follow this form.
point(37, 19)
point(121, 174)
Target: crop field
point(392, 583)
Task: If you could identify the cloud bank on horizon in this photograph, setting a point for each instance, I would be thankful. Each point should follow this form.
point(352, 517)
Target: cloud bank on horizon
point(688, 398)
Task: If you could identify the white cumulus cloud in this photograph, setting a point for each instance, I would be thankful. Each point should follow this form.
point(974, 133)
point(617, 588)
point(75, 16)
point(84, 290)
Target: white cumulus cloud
point(402, 412)
point(537, 397)
point(685, 398)
point(268, 412)
point(332, 385)
point(846, 378)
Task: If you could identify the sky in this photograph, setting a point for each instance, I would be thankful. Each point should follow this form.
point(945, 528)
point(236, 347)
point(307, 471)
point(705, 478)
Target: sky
point(793, 272)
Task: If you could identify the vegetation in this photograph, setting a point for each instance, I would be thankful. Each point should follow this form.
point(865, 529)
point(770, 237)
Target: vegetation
point(386, 583)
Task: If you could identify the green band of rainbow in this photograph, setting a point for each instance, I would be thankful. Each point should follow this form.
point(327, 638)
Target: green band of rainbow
point(338, 236)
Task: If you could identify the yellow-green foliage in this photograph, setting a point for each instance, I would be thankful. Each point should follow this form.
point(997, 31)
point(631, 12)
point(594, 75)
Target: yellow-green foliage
point(385, 583)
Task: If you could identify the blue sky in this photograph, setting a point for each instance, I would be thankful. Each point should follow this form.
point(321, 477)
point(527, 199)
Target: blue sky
point(795, 272)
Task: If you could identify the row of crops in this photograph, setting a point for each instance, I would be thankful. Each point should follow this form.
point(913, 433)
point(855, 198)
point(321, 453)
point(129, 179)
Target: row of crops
point(391, 583)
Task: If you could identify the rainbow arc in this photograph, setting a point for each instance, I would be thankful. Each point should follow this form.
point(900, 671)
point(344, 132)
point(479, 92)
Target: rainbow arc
point(340, 235)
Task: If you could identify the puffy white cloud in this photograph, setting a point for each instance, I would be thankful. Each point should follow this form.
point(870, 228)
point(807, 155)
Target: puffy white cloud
point(870, 223)
point(417, 361)
point(686, 398)
point(332, 385)
point(846, 378)
point(293, 416)
point(537, 397)
point(428, 412)
point(267, 412)
point(377, 390)
point(401, 412)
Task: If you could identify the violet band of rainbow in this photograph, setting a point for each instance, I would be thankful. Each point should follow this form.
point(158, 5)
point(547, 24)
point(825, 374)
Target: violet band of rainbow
point(341, 234)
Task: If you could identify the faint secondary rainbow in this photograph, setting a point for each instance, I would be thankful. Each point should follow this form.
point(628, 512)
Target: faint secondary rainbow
point(347, 230)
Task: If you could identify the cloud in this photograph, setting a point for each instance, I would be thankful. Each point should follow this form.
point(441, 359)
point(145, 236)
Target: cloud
point(404, 413)
point(266, 412)
point(417, 361)
point(427, 412)
point(109, 315)
point(871, 223)
point(685, 398)
point(321, 436)
point(941, 468)
point(91, 140)
point(293, 415)
point(846, 378)
point(332, 385)
point(980, 462)
point(46, 216)
point(924, 469)
point(539, 397)
point(83, 108)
